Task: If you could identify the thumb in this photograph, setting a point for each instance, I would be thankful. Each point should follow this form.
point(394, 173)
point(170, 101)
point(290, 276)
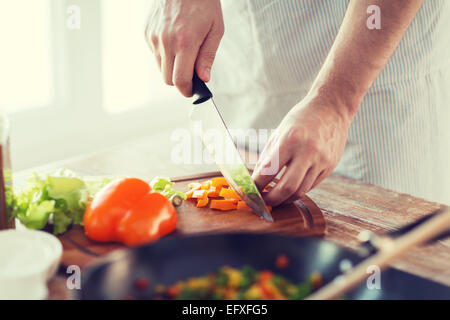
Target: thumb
point(207, 54)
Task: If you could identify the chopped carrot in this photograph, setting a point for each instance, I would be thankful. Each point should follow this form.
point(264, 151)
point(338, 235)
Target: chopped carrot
point(241, 205)
point(223, 205)
point(213, 193)
point(282, 261)
point(200, 194)
point(194, 185)
point(202, 202)
point(141, 283)
point(265, 275)
point(229, 194)
point(206, 184)
point(189, 194)
point(219, 182)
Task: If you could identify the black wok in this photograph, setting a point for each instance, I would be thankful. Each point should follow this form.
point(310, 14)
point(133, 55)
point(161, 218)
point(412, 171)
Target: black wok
point(178, 258)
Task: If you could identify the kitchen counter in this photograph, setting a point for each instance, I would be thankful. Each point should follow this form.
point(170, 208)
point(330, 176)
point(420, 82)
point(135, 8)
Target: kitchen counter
point(349, 206)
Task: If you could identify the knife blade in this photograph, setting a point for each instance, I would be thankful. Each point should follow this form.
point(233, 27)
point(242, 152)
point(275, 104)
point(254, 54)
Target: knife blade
point(218, 141)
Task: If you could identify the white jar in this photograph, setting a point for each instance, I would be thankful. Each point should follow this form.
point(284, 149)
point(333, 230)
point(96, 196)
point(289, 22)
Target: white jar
point(28, 259)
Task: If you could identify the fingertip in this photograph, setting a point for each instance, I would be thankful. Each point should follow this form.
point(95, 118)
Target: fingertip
point(206, 74)
point(187, 93)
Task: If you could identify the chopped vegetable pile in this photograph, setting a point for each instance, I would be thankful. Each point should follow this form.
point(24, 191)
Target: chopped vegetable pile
point(246, 283)
point(218, 194)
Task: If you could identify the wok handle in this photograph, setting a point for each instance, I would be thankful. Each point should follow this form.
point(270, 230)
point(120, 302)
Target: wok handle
point(439, 223)
point(371, 242)
point(200, 91)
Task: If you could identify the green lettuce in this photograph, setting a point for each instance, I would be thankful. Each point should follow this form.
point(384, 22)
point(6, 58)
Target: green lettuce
point(164, 186)
point(60, 197)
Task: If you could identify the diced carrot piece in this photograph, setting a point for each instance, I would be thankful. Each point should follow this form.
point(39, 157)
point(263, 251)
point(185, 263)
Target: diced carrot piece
point(207, 183)
point(223, 205)
point(200, 194)
point(265, 275)
point(282, 261)
point(229, 194)
point(189, 194)
point(202, 202)
point(241, 205)
point(219, 182)
point(213, 193)
point(194, 185)
point(173, 291)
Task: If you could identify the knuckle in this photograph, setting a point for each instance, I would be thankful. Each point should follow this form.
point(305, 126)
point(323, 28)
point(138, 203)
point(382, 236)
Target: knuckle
point(183, 40)
point(326, 158)
point(294, 136)
point(312, 146)
point(164, 38)
point(154, 39)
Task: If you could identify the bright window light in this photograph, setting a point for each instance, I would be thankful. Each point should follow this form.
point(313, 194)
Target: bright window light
point(131, 78)
point(26, 62)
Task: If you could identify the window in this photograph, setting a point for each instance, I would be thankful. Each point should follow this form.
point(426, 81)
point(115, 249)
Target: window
point(69, 91)
point(131, 77)
point(25, 64)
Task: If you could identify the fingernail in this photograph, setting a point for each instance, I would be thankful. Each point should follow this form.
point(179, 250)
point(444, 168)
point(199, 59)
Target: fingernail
point(207, 74)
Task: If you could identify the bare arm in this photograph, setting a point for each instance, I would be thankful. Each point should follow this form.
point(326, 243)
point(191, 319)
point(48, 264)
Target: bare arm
point(311, 138)
point(359, 54)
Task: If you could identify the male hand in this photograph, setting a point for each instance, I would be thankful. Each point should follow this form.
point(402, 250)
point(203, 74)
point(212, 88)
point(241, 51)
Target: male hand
point(183, 35)
point(309, 142)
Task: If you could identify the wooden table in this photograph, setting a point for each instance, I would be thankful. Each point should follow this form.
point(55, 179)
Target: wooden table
point(349, 206)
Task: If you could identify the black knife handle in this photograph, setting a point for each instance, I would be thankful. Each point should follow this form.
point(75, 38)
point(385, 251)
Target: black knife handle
point(200, 91)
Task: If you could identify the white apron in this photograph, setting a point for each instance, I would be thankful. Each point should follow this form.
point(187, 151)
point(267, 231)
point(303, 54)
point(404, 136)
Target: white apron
point(400, 139)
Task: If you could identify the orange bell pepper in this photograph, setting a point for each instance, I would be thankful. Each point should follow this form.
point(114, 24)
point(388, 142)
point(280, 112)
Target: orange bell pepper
point(223, 205)
point(127, 211)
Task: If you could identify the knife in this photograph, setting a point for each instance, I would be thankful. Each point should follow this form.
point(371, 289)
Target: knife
point(219, 143)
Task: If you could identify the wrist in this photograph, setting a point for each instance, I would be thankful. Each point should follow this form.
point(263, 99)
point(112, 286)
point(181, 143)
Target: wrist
point(340, 93)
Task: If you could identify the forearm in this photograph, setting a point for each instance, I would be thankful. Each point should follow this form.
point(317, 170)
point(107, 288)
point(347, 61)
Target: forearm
point(359, 54)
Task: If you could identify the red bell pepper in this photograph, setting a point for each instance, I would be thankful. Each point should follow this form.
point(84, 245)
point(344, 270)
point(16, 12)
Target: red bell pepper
point(128, 211)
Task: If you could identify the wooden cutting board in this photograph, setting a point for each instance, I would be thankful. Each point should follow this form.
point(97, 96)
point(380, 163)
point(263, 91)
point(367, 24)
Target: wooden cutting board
point(301, 218)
